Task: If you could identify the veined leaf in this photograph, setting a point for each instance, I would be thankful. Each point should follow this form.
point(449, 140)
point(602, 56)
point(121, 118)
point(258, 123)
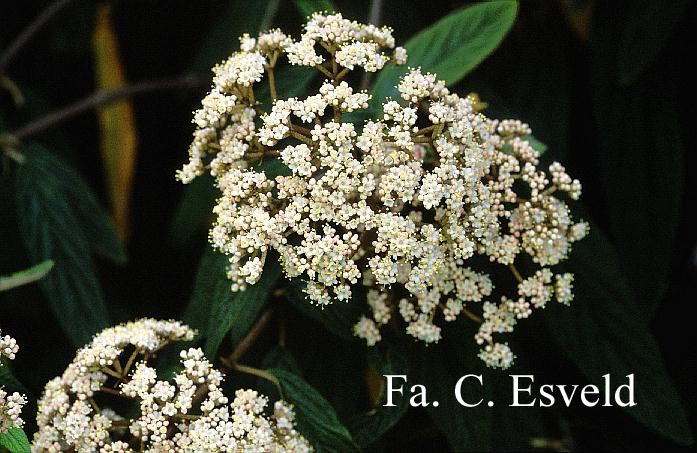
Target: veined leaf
point(453, 46)
point(603, 333)
point(366, 429)
point(291, 81)
point(34, 273)
point(210, 284)
point(8, 381)
point(94, 222)
point(242, 16)
point(317, 419)
point(644, 144)
point(307, 7)
point(648, 26)
point(51, 202)
point(194, 212)
point(337, 317)
point(436, 367)
point(15, 440)
point(118, 141)
point(236, 312)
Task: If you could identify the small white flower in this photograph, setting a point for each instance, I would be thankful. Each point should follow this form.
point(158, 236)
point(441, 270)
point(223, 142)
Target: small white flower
point(404, 204)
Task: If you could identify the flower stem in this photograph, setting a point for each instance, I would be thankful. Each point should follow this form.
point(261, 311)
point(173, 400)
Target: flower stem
point(516, 274)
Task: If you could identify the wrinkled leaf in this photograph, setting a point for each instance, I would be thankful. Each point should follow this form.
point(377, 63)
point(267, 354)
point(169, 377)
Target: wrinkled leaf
point(453, 46)
point(34, 273)
point(210, 284)
point(317, 419)
point(337, 317)
point(467, 429)
point(307, 7)
point(277, 357)
point(281, 357)
point(194, 212)
point(93, 220)
point(648, 26)
point(8, 381)
point(236, 312)
point(15, 440)
point(642, 164)
point(291, 81)
point(51, 201)
point(603, 333)
point(366, 429)
point(241, 16)
point(118, 139)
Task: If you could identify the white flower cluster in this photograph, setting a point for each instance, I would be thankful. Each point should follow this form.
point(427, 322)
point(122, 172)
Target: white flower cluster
point(187, 413)
point(10, 404)
point(8, 347)
point(401, 204)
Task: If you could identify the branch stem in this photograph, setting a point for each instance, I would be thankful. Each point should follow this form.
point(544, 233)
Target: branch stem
point(472, 316)
point(260, 373)
point(243, 346)
point(29, 31)
point(516, 274)
point(272, 83)
point(98, 99)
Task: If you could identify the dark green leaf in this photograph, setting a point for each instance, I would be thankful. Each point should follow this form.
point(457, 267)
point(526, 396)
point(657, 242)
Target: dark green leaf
point(602, 333)
point(277, 357)
point(453, 46)
point(536, 144)
point(93, 220)
point(272, 168)
point(648, 25)
point(34, 273)
point(307, 7)
point(210, 284)
point(368, 428)
point(338, 317)
point(195, 210)
point(317, 419)
point(291, 81)
point(50, 220)
point(467, 429)
point(280, 357)
point(242, 16)
point(7, 380)
point(15, 440)
point(236, 312)
point(642, 164)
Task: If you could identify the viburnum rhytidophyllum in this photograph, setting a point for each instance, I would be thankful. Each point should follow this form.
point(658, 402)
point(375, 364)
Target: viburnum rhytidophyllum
point(399, 204)
point(10, 404)
point(79, 410)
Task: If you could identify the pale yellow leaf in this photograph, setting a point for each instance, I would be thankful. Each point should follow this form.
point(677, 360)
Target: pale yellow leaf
point(118, 136)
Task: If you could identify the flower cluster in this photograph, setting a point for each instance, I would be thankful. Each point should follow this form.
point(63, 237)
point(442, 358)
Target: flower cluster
point(401, 204)
point(10, 404)
point(186, 413)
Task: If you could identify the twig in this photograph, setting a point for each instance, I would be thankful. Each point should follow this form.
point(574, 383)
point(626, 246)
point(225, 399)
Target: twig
point(260, 373)
point(97, 99)
point(472, 316)
point(516, 274)
point(29, 31)
point(272, 83)
point(230, 361)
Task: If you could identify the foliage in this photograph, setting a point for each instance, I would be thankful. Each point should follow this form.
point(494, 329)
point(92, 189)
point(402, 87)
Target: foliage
point(611, 98)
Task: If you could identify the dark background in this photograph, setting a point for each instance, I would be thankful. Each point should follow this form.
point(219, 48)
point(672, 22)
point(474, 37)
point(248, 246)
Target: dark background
point(628, 138)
